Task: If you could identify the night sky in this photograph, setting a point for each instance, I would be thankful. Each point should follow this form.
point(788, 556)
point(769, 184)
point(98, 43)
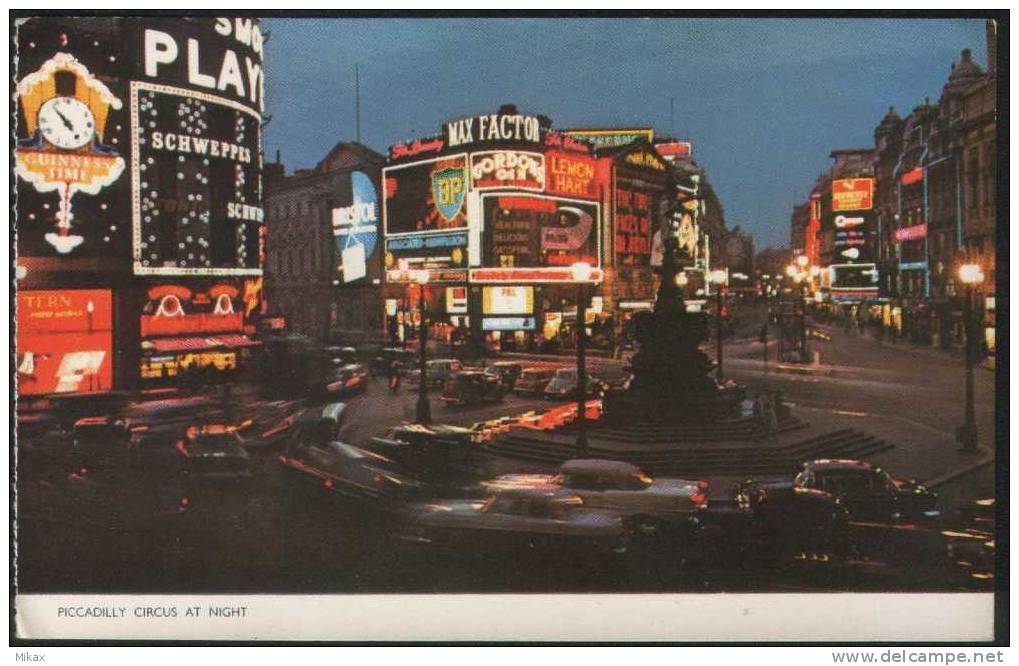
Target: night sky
point(763, 100)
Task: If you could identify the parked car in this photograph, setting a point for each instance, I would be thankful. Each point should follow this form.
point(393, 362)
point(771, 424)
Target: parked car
point(767, 524)
point(390, 359)
point(438, 371)
point(472, 387)
point(869, 493)
point(214, 452)
point(346, 379)
point(532, 381)
point(564, 386)
point(507, 372)
point(651, 503)
point(518, 522)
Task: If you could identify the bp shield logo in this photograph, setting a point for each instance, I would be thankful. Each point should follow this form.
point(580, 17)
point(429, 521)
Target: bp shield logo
point(449, 189)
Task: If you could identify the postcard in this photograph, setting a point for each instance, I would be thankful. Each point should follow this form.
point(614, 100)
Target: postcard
point(507, 328)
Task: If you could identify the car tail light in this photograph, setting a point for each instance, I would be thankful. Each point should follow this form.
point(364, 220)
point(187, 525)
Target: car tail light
point(328, 483)
point(377, 479)
point(699, 499)
point(702, 485)
point(185, 502)
point(83, 471)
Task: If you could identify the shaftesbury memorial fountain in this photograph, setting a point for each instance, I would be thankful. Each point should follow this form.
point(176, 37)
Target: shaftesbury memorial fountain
point(675, 417)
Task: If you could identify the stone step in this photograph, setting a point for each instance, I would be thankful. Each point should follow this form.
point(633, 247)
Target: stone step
point(659, 434)
point(538, 443)
point(846, 443)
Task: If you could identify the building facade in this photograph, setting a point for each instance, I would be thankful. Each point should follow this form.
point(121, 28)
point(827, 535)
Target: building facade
point(324, 267)
point(933, 175)
point(497, 207)
point(138, 171)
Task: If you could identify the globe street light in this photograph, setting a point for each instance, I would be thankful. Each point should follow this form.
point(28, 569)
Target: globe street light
point(719, 278)
point(424, 409)
point(581, 273)
point(971, 275)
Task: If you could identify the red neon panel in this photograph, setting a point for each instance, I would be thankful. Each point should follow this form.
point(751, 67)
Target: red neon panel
point(62, 347)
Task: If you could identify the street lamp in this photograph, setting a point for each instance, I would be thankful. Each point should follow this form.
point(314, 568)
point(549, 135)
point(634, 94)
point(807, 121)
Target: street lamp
point(424, 409)
point(801, 279)
point(90, 309)
point(802, 261)
point(971, 275)
point(681, 279)
point(719, 278)
point(581, 274)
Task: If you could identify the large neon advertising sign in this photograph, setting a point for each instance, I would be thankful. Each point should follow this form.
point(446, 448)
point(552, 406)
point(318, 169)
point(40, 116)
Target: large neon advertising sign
point(65, 111)
point(64, 342)
point(174, 309)
point(539, 233)
point(425, 196)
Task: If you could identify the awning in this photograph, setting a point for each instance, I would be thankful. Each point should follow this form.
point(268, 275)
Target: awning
point(231, 341)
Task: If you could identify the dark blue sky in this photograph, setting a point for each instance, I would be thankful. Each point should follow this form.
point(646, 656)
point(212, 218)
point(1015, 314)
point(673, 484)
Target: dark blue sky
point(763, 100)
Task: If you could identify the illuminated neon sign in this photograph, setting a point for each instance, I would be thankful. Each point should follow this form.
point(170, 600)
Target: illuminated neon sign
point(65, 341)
point(493, 128)
point(508, 168)
point(66, 110)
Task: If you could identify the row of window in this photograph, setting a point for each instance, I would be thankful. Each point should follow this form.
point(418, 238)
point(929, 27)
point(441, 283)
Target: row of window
point(292, 209)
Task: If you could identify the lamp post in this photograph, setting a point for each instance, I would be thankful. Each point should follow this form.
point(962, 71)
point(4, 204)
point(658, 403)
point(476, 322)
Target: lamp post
point(581, 274)
point(424, 409)
point(719, 277)
point(90, 309)
point(970, 275)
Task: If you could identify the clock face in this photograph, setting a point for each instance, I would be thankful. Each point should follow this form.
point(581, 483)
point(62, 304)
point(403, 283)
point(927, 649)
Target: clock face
point(66, 123)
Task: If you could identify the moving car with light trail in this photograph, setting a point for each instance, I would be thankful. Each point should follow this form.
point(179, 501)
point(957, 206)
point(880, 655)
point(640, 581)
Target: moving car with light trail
point(521, 521)
point(346, 379)
point(767, 524)
point(869, 493)
point(333, 468)
point(651, 503)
